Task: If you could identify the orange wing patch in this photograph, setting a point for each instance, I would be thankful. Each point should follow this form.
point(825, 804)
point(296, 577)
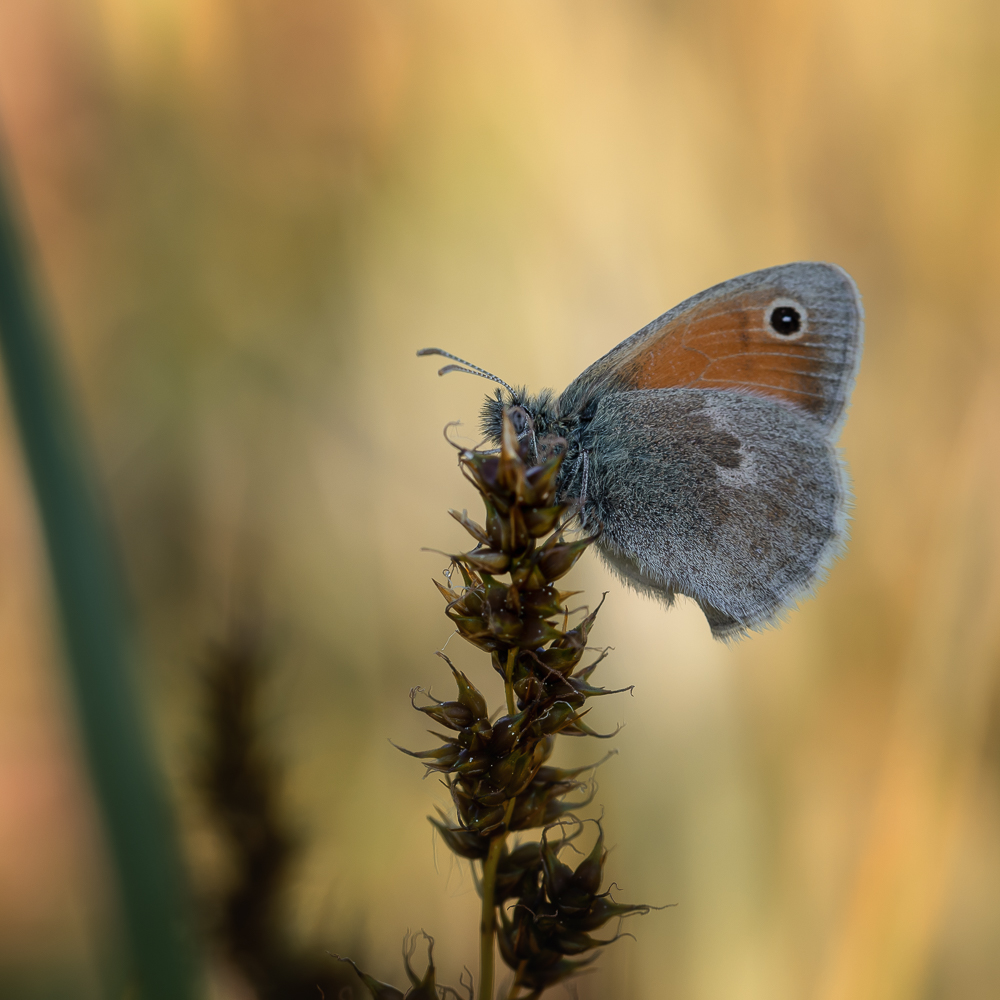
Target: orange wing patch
point(753, 342)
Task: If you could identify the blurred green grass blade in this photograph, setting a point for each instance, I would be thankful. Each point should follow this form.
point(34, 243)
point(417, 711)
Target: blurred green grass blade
point(89, 594)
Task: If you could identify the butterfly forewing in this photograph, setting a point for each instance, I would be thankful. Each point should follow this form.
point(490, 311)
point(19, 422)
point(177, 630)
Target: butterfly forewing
point(790, 333)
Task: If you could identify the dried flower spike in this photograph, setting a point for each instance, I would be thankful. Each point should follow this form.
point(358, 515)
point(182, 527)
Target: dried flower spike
point(497, 771)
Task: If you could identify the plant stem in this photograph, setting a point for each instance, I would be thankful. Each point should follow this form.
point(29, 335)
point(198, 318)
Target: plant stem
point(515, 986)
point(88, 594)
point(508, 680)
point(487, 926)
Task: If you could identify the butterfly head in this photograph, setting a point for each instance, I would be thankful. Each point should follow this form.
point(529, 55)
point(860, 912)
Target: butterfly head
point(531, 414)
point(535, 415)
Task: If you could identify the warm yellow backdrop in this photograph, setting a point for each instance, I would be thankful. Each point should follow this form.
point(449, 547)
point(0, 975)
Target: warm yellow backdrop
point(251, 213)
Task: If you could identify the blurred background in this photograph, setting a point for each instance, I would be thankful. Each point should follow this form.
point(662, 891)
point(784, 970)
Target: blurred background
point(248, 216)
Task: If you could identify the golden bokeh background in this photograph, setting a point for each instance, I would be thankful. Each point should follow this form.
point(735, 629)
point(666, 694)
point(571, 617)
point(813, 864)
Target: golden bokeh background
point(249, 215)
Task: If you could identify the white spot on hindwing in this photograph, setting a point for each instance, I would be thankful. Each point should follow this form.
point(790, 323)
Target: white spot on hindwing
point(747, 472)
point(742, 476)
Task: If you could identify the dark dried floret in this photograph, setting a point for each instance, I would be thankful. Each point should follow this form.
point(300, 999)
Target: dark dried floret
point(420, 988)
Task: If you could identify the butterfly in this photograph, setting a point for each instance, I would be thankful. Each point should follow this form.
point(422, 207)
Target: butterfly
point(702, 449)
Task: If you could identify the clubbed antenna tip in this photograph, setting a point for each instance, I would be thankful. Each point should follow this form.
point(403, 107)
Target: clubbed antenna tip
point(463, 366)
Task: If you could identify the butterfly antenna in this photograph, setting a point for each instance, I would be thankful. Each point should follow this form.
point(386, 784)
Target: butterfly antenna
point(463, 366)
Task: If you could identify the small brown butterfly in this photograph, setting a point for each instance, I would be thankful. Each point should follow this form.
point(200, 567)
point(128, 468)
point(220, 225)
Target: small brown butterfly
point(703, 447)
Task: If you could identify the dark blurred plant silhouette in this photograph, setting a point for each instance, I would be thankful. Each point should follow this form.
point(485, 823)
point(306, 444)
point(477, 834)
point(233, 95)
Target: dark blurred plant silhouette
point(241, 785)
point(542, 912)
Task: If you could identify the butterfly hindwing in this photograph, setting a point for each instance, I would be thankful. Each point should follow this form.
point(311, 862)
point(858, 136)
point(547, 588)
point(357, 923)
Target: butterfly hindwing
point(730, 500)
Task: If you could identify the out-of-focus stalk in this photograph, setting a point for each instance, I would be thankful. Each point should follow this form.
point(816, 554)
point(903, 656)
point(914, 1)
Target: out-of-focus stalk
point(88, 594)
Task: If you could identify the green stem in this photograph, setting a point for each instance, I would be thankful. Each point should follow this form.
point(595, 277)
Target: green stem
point(88, 594)
point(487, 926)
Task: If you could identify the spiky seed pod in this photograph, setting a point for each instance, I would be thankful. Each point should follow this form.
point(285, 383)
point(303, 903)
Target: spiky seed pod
point(524, 624)
point(558, 908)
point(497, 771)
point(498, 774)
point(421, 988)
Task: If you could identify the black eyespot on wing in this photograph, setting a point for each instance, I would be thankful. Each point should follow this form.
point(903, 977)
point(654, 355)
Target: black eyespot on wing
point(785, 320)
